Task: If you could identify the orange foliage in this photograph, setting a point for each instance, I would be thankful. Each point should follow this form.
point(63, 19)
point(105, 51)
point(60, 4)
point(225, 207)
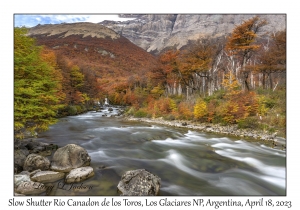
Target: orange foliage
point(243, 36)
point(185, 110)
point(240, 107)
point(161, 107)
point(49, 57)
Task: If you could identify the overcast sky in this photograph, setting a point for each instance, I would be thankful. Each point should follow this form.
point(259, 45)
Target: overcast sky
point(33, 20)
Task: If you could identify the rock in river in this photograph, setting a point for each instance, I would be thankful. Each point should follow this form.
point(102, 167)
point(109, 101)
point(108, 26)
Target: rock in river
point(19, 178)
point(139, 183)
point(79, 174)
point(34, 162)
point(69, 157)
point(30, 188)
point(47, 176)
point(19, 159)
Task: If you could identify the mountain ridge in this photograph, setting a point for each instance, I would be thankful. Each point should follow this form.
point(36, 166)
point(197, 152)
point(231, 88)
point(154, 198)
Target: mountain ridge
point(156, 32)
point(94, 42)
point(111, 58)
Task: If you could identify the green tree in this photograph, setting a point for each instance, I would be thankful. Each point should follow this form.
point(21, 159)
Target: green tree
point(35, 87)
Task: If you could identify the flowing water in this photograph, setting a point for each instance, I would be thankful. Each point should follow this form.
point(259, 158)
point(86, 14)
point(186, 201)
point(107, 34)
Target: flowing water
point(188, 162)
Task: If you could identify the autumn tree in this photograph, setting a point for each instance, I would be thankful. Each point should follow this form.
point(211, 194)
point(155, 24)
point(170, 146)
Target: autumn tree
point(200, 62)
point(47, 55)
point(36, 86)
point(200, 109)
point(241, 44)
point(191, 69)
point(238, 104)
point(273, 59)
point(196, 61)
point(167, 74)
point(91, 85)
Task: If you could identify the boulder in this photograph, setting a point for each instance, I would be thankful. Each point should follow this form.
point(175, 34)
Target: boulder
point(30, 188)
point(19, 159)
point(47, 176)
point(31, 174)
point(34, 162)
point(19, 178)
point(27, 172)
point(20, 144)
point(69, 157)
point(139, 183)
point(44, 149)
point(79, 174)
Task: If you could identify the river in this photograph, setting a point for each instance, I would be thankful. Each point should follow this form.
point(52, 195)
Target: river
point(188, 162)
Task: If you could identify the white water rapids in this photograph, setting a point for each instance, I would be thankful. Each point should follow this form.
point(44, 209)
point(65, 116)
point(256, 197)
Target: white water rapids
point(188, 162)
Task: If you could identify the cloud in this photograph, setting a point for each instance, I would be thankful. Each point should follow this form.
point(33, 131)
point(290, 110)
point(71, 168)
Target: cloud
point(33, 20)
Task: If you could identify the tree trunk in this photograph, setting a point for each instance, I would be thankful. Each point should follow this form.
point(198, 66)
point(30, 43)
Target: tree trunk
point(264, 80)
point(270, 81)
point(246, 75)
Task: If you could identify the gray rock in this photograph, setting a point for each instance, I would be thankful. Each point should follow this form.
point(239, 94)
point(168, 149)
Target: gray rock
point(19, 159)
point(102, 167)
point(30, 188)
point(19, 178)
point(34, 172)
point(41, 148)
point(139, 183)
point(32, 144)
point(47, 176)
point(69, 157)
point(79, 174)
point(20, 144)
point(34, 162)
point(209, 129)
point(25, 173)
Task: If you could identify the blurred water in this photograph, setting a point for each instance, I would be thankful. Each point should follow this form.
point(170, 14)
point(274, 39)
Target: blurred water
point(188, 162)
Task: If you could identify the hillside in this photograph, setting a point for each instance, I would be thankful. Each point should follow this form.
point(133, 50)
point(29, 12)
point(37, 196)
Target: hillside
point(97, 50)
point(93, 44)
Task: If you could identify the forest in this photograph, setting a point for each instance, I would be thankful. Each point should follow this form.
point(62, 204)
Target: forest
point(235, 79)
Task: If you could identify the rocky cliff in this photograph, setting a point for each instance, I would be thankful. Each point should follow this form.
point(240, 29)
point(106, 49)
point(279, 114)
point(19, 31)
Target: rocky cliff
point(156, 32)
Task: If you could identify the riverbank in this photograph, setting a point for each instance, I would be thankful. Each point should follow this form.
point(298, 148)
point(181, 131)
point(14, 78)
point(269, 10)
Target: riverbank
point(116, 146)
point(270, 139)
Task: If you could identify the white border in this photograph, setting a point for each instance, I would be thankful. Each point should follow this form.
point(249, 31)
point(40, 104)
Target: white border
point(8, 8)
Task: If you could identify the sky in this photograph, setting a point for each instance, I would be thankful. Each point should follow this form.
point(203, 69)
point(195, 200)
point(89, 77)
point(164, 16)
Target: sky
point(33, 20)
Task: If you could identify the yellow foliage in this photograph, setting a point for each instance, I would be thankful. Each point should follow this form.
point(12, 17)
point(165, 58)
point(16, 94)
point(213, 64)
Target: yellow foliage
point(229, 112)
point(262, 109)
point(173, 105)
point(157, 91)
point(200, 109)
point(231, 84)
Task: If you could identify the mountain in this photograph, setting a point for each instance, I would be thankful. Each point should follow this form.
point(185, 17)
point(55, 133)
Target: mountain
point(94, 46)
point(98, 51)
point(157, 32)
